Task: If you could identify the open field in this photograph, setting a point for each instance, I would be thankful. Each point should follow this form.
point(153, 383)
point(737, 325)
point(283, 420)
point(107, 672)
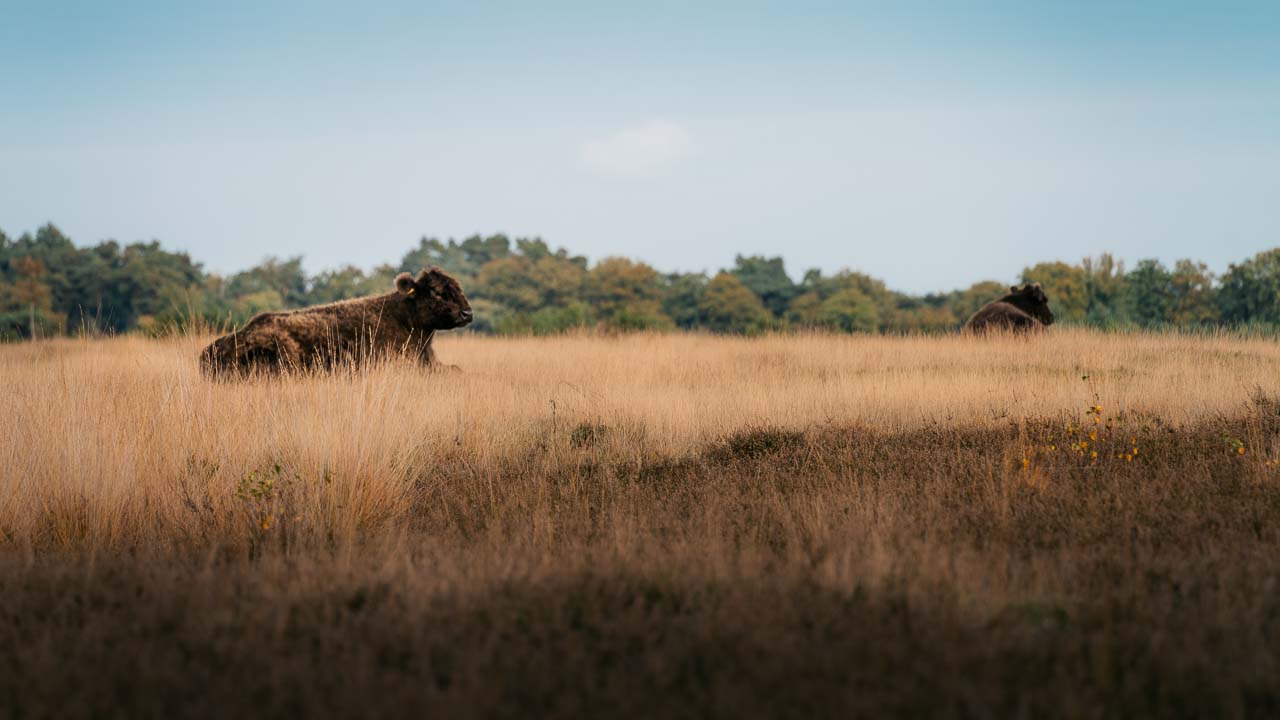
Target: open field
point(1076, 524)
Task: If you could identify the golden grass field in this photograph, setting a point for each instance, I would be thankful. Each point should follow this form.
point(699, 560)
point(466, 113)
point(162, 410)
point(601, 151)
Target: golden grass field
point(1076, 524)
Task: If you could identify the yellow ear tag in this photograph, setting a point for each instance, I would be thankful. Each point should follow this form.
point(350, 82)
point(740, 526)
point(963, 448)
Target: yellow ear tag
point(411, 292)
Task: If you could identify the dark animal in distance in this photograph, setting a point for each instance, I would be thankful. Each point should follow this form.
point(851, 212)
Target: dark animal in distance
point(403, 321)
point(1024, 309)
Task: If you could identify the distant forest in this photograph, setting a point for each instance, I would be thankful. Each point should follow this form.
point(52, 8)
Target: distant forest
point(49, 286)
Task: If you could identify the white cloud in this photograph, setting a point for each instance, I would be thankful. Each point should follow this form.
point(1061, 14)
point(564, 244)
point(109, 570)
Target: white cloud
point(640, 151)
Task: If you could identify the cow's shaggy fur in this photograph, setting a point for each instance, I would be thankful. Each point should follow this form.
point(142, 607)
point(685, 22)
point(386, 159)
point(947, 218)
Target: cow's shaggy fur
point(402, 321)
point(1024, 309)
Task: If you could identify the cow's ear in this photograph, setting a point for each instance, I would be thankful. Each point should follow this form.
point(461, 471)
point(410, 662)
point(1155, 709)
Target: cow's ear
point(1013, 288)
point(404, 283)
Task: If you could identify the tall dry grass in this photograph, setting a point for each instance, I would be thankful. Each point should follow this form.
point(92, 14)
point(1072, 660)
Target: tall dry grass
point(653, 524)
point(109, 443)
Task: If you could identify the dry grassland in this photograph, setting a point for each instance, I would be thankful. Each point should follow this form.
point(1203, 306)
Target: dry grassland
point(1073, 525)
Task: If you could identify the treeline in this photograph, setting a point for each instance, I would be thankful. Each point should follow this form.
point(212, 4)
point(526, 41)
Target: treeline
point(49, 286)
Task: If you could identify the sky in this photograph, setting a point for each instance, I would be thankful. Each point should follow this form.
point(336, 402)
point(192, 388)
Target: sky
point(929, 144)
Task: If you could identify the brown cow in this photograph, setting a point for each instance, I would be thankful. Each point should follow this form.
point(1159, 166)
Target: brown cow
point(1022, 310)
point(401, 321)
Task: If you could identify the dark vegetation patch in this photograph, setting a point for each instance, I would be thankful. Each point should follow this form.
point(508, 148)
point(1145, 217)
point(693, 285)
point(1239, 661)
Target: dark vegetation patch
point(859, 571)
point(587, 435)
point(756, 443)
point(185, 641)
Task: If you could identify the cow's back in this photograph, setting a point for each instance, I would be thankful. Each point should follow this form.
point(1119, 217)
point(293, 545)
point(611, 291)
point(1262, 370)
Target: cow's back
point(1000, 315)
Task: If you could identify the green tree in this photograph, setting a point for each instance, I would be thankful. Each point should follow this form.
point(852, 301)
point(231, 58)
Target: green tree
point(536, 249)
point(246, 306)
point(286, 278)
point(1149, 293)
point(768, 279)
point(625, 294)
point(430, 252)
point(559, 279)
point(930, 314)
point(26, 301)
point(859, 299)
point(479, 250)
point(526, 285)
point(1250, 290)
point(1193, 298)
point(849, 310)
point(155, 284)
point(803, 311)
point(729, 306)
point(558, 319)
point(1104, 284)
point(491, 317)
point(59, 256)
point(348, 282)
point(646, 315)
point(682, 298)
point(1067, 287)
point(461, 259)
point(509, 281)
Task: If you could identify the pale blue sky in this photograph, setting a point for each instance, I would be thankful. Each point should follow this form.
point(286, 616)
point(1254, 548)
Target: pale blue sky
point(930, 147)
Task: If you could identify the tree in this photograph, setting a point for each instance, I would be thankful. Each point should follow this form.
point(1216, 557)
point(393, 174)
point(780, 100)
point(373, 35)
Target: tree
point(557, 319)
point(1193, 299)
point(682, 298)
point(933, 313)
point(768, 279)
point(1148, 293)
point(625, 294)
point(509, 281)
point(525, 285)
point(1104, 285)
point(286, 278)
point(803, 311)
point(559, 278)
point(849, 310)
point(479, 250)
point(26, 302)
point(729, 306)
point(1067, 288)
point(155, 283)
point(1250, 291)
point(430, 252)
point(348, 282)
point(58, 255)
point(246, 306)
point(846, 301)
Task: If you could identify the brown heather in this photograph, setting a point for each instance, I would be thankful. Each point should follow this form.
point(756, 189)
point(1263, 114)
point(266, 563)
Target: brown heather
point(647, 526)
